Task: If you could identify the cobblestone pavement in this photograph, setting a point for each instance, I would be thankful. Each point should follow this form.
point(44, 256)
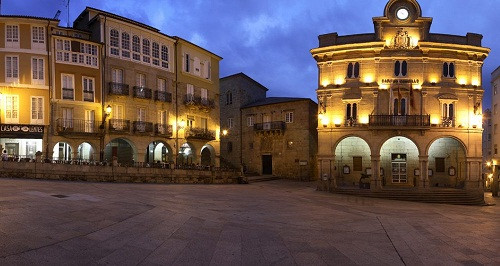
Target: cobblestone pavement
point(276, 222)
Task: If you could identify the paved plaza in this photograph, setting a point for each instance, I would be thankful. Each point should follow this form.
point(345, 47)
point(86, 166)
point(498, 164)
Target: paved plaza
point(276, 222)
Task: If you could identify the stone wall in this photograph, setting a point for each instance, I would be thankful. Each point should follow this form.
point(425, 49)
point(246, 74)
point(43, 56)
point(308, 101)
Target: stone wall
point(50, 171)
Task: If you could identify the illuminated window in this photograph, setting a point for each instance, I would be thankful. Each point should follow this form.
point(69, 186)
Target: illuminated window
point(37, 110)
point(353, 70)
point(400, 69)
point(449, 70)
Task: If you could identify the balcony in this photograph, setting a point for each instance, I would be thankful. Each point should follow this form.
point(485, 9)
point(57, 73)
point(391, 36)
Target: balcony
point(448, 122)
point(275, 126)
point(119, 126)
point(163, 96)
point(164, 130)
point(77, 126)
point(143, 127)
point(400, 120)
point(68, 93)
point(200, 133)
point(142, 92)
point(204, 104)
point(118, 89)
point(88, 96)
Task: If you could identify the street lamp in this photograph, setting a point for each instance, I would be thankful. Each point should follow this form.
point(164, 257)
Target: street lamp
point(224, 132)
point(107, 113)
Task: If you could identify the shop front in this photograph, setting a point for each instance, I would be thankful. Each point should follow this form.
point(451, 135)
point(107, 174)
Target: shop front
point(21, 141)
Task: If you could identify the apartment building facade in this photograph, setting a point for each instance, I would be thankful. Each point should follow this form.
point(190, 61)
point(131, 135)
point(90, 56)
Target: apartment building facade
point(401, 105)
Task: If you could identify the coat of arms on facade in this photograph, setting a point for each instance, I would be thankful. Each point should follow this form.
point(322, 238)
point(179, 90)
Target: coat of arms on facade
point(402, 40)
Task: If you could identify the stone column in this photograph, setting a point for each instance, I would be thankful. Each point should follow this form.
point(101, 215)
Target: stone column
point(424, 182)
point(375, 181)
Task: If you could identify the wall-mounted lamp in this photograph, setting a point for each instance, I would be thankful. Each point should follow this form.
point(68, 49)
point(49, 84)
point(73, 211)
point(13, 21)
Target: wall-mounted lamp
point(225, 132)
point(107, 113)
point(182, 124)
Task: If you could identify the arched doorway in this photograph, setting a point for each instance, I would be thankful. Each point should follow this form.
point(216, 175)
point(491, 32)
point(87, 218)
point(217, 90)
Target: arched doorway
point(186, 154)
point(352, 158)
point(62, 151)
point(85, 152)
point(207, 155)
point(399, 162)
point(158, 151)
point(447, 163)
point(121, 148)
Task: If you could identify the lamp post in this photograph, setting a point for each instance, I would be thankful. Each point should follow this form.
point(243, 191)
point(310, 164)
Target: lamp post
point(107, 113)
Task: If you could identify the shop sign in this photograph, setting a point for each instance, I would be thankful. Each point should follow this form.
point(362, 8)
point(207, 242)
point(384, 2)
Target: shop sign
point(400, 81)
point(22, 129)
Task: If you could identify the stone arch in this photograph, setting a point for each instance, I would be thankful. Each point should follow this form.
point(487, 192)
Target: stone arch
point(447, 160)
point(123, 149)
point(159, 151)
point(349, 136)
point(378, 146)
point(187, 154)
point(62, 151)
point(86, 152)
point(446, 136)
point(352, 158)
point(207, 155)
point(408, 3)
point(399, 160)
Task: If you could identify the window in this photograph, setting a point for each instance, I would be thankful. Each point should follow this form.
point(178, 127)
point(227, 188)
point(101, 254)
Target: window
point(67, 114)
point(187, 62)
point(353, 70)
point(11, 68)
point(164, 56)
point(114, 42)
point(352, 111)
point(68, 91)
point(140, 80)
point(162, 85)
point(197, 66)
point(230, 123)
point(229, 146)
point(163, 117)
point(76, 52)
point(400, 68)
point(289, 117)
point(449, 70)
point(125, 45)
point(399, 107)
point(37, 67)
point(208, 69)
point(88, 89)
point(146, 51)
point(440, 165)
point(204, 123)
point(136, 48)
point(156, 54)
point(37, 110)
point(229, 98)
point(11, 109)
point(449, 114)
point(357, 163)
point(141, 114)
point(117, 75)
point(190, 92)
point(12, 36)
point(190, 121)
point(250, 121)
point(38, 37)
point(204, 95)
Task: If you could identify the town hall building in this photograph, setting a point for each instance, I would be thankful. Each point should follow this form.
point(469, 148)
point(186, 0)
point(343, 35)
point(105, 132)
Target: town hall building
point(400, 106)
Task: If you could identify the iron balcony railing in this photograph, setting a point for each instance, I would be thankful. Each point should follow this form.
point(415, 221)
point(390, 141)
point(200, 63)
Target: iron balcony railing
point(118, 89)
point(68, 93)
point(200, 133)
point(88, 96)
point(77, 126)
point(400, 120)
point(119, 125)
point(142, 92)
point(163, 96)
point(270, 126)
point(164, 130)
point(190, 99)
point(448, 122)
point(143, 127)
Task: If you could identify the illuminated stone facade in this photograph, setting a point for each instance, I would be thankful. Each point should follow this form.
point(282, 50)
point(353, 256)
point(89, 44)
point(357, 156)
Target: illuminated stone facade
point(401, 105)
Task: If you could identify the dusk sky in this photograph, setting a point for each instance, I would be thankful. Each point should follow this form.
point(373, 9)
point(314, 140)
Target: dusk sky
point(270, 40)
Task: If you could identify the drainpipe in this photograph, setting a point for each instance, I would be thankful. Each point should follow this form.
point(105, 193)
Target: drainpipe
point(176, 150)
point(103, 94)
point(49, 68)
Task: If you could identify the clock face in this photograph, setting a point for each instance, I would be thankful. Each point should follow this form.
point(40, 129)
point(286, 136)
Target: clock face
point(402, 13)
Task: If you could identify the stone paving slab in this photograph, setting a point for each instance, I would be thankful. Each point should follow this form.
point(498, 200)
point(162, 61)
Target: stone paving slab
point(268, 223)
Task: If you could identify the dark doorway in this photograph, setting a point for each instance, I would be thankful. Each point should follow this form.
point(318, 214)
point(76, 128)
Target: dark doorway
point(206, 157)
point(267, 164)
